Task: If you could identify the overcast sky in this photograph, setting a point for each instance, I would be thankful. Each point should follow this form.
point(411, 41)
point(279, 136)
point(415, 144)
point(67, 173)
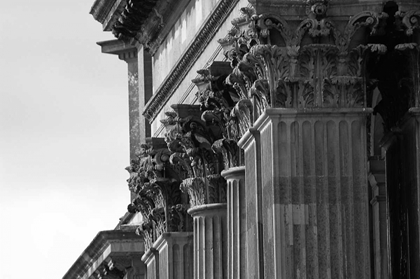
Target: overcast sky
point(63, 136)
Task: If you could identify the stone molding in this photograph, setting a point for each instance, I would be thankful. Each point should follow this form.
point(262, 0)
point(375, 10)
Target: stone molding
point(233, 173)
point(124, 51)
point(187, 60)
point(107, 12)
point(206, 209)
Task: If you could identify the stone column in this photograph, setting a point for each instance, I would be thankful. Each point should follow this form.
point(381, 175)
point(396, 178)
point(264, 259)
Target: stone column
point(236, 222)
point(314, 192)
point(191, 142)
point(210, 234)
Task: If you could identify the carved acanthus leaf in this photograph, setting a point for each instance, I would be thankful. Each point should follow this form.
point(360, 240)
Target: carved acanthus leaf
point(309, 67)
point(155, 183)
point(194, 140)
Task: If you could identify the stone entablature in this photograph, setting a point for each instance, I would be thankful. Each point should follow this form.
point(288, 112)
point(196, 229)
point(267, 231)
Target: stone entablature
point(188, 59)
point(180, 36)
point(111, 253)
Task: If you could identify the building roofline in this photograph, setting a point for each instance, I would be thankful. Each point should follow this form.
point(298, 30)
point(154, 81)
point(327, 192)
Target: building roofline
point(97, 247)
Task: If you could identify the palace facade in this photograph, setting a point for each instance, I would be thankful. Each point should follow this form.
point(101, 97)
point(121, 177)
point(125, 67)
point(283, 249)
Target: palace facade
point(268, 139)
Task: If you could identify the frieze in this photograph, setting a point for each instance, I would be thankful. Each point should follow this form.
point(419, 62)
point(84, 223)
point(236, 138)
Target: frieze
point(190, 56)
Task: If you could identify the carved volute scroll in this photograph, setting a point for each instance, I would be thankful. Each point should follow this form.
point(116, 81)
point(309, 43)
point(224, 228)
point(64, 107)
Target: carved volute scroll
point(314, 65)
point(190, 141)
point(158, 197)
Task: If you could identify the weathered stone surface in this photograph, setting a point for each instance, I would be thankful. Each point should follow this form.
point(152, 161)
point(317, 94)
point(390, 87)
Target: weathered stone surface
point(314, 194)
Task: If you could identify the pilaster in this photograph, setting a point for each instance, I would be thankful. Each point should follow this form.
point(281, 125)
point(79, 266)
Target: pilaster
point(314, 193)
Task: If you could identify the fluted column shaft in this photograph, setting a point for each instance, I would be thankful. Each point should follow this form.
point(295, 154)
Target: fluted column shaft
point(236, 223)
point(314, 193)
point(210, 237)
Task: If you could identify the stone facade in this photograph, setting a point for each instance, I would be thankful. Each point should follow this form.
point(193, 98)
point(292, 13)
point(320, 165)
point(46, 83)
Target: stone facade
point(272, 139)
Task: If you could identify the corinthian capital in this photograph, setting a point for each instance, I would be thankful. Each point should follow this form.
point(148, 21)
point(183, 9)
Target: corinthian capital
point(158, 197)
point(190, 140)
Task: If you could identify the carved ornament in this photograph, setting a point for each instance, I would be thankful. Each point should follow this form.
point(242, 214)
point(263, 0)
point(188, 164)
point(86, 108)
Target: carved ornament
point(190, 140)
point(158, 196)
point(220, 106)
point(314, 65)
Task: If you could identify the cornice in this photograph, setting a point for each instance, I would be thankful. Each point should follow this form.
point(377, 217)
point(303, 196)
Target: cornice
point(188, 59)
point(166, 13)
point(107, 12)
point(124, 50)
point(98, 246)
point(134, 16)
